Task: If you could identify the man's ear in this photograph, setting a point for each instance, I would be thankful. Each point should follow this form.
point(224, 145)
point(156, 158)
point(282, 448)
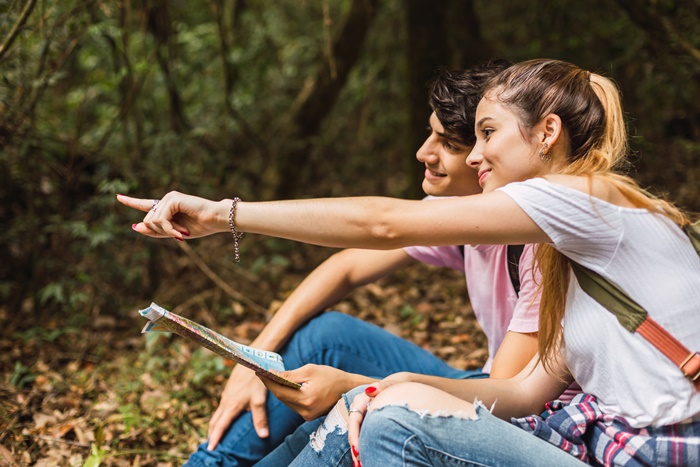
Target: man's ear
point(551, 129)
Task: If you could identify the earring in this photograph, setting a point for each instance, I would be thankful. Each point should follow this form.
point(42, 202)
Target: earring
point(545, 156)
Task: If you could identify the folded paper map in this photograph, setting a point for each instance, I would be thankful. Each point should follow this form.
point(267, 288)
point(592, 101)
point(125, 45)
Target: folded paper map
point(260, 361)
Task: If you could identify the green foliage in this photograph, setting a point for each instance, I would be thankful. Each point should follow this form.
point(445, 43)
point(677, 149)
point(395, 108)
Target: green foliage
point(22, 376)
point(132, 416)
point(205, 366)
point(98, 99)
point(43, 334)
point(410, 316)
point(96, 456)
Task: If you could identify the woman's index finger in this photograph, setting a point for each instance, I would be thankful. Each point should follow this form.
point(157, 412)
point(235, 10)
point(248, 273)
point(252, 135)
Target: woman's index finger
point(141, 204)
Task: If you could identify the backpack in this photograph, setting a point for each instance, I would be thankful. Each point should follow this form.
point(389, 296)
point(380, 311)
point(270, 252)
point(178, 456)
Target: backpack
point(634, 318)
point(513, 253)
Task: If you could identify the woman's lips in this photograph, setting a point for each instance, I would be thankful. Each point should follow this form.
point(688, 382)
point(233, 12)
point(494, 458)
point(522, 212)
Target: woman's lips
point(482, 176)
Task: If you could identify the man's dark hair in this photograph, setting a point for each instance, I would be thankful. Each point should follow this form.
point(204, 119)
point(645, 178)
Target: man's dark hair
point(454, 95)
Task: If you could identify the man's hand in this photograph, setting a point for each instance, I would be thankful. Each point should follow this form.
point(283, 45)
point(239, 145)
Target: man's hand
point(321, 387)
point(243, 391)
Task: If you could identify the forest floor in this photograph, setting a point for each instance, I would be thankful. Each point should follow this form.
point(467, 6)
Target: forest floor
point(104, 394)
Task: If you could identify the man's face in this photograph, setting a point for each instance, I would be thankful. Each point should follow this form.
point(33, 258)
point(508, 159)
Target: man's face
point(446, 170)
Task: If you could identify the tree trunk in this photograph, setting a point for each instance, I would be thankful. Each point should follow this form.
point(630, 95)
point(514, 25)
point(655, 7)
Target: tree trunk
point(316, 99)
point(439, 34)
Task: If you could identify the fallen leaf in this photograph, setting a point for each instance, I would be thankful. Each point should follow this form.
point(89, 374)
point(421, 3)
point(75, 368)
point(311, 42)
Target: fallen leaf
point(6, 456)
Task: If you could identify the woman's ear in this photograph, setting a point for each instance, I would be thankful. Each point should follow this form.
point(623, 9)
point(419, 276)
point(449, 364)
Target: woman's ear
point(551, 129)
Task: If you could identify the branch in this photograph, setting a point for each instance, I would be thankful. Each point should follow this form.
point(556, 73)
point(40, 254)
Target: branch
point(327, 22)
point(28, 8)
point(658, 27)
point(682, 42)
point(226, 41)
point(219, 281)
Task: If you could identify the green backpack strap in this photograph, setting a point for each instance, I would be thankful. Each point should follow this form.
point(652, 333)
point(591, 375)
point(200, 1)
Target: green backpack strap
point(628, 312)
point(634, 318)
point(693, 232)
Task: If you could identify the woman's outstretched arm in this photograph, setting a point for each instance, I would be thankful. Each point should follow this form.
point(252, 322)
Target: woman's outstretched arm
point(360, 222)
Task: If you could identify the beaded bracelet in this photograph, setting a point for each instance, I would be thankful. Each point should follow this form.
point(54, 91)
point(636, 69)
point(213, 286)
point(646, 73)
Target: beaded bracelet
point(236, 235)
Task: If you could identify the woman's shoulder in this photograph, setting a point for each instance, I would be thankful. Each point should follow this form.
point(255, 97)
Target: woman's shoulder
point(596, 187)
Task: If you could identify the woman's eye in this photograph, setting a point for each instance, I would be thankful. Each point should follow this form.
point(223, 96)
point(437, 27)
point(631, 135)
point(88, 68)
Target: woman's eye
point(487, 132)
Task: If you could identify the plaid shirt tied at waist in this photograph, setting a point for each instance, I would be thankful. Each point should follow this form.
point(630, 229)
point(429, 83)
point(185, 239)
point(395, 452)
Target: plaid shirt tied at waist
point(582, 430)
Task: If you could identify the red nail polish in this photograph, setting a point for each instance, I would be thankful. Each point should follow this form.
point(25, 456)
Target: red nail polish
point(185, 234)
point(133, 226)
point(119, 194)
point(354, 451)
point(370, 390)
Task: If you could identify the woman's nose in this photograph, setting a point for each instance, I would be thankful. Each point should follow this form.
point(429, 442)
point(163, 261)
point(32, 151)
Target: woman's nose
point(474, 158)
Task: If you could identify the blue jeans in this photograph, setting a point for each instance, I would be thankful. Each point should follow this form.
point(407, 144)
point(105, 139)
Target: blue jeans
point(333, 339)
point(397, 436)
point(394, 435)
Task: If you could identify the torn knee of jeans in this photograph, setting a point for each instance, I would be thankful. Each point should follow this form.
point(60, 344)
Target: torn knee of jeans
point(422, 413)
point(334, 422)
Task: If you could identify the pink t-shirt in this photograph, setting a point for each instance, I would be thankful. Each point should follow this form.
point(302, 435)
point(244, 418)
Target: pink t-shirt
point(497, 307)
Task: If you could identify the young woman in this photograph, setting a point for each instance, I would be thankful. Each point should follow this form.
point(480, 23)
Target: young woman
point(549, 136)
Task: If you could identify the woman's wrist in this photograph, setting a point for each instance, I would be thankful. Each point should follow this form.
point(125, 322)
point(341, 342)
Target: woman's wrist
point(402, 377)
point(356, 380)
point(220, 214)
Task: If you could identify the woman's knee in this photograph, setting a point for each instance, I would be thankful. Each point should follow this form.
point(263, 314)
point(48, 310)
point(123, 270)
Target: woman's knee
point(423, 399)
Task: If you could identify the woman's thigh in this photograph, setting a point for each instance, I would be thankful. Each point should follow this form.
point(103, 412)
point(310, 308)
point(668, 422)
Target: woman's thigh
point(397, 436)
point(427, 427)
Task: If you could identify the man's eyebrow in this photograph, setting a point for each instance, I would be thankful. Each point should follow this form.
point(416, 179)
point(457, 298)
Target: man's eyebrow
point(440, 134)
point(454, 139)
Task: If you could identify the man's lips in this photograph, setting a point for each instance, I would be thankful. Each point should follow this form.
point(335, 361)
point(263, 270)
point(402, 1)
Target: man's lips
point(432, 175)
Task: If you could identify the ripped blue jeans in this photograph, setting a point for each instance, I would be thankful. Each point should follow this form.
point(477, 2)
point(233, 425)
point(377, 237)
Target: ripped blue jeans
point(323, 443)
point(397, 436)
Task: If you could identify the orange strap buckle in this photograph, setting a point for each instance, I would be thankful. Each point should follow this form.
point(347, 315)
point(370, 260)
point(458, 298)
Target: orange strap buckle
point(693, 363)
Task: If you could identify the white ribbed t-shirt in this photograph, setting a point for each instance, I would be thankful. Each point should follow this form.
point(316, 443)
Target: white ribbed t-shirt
point(653, 261)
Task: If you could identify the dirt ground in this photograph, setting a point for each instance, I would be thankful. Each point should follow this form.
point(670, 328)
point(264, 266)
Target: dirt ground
point(101, 393)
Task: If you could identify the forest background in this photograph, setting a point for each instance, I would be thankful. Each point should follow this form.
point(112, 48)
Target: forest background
point(263, 100)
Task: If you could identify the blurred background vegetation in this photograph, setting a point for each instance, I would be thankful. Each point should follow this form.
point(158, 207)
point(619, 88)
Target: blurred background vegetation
point(263, 100)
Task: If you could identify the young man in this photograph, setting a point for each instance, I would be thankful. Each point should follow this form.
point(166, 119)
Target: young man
point(250, 422)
